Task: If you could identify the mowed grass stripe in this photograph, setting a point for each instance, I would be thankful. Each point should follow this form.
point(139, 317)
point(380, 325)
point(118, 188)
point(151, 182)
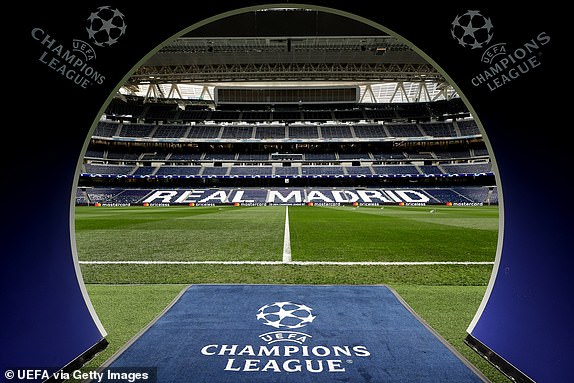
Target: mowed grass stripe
point(467, 275)
point(319, 234)
point(179, 233)
point(477, 217)
point(392, 234)
point(299, 263)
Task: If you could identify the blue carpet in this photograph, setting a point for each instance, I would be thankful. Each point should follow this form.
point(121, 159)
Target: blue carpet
point(291, 334)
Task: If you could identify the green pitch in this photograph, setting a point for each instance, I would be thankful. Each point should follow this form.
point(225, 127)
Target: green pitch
point(179, 233)
point(365, 234)
point(255, 234)
point(446, 295)
point(414, 234)
point(318, 234)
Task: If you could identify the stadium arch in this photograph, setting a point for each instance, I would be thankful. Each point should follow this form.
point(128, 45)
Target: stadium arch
point(500, 363)
point(503, 365)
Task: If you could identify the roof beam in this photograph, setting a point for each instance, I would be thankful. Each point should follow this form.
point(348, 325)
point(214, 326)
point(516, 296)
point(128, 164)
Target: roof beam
point(188, 74)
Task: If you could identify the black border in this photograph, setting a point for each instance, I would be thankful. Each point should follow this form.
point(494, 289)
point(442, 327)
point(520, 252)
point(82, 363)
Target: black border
point(79, 362)
point(497, 361)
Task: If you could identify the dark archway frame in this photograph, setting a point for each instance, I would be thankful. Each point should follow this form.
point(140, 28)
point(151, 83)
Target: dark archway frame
point(524, 320)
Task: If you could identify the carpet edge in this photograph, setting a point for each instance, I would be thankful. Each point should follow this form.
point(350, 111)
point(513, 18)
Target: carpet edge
point(449, 346)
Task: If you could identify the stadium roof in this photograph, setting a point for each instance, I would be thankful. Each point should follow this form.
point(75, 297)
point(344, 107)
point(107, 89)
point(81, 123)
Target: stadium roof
point(289, 47)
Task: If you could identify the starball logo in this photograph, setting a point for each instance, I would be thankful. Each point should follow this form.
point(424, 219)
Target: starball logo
point(285, 315)
point(504, 64)
point(285, 350)
point(75, 61)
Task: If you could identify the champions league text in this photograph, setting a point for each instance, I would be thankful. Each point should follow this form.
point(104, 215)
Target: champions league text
point(66, 62)
point(314, 359)
point(511, 65)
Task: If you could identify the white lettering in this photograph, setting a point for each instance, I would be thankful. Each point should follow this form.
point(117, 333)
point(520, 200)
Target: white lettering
point(290, 350)
point(411, 196)
point(220, 195)
point(393, 196)
point(247, 350)
point(229, 350)
point(273, 351)
point(334, 366)
point(287, 365)
point(321, 351)
point(543, 38)
point(309, 365)
point(316, 194)
point(251, 365)
point(164, 195)
point(361, 351)
point(189, 196)
point(204, 350)
point(338, 350)
point(229, 366)
point(37, 33)
point(368, 195)
point(344, 196)
point(271, 365)
point(294, 195)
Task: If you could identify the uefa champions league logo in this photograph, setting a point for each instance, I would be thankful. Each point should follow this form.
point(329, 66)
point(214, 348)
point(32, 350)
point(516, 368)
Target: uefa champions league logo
point(75, 62)
point(475, 31)
point(472, 29)
point(285, 350)
point(105, 26)
point(286, 317)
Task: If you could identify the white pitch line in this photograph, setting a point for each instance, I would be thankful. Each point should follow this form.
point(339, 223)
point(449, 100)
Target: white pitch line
point(287, 239)
point(300, 263)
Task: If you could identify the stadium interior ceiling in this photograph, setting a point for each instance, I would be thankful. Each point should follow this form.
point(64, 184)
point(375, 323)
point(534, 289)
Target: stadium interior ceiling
point(288, 47)
point(276, 96)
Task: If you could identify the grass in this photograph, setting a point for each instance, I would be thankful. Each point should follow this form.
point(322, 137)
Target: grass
point(179, 233)
point(392, 234)
point(125, 310)
point(127, 297)
point(256, 233)
point(449, 310)
point(460, 275)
